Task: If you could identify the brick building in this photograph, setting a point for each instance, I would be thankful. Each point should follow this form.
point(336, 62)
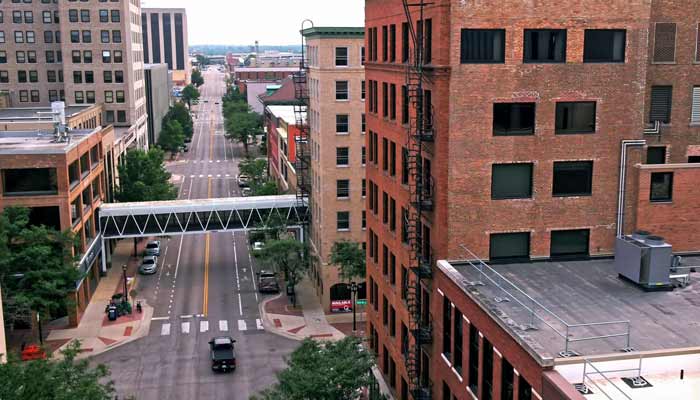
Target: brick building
point(165, 41)
point(507, 132)
point(282, 132)
point(63, 183)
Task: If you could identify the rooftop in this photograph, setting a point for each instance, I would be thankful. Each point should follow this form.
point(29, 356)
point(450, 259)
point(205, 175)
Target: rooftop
point(334, 32)
point(266, 69)
point(285, 112)
point(578, 294)
point(31, 113)
point(40, 142)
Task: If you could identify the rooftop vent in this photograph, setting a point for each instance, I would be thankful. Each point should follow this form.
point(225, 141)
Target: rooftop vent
point(645, 260)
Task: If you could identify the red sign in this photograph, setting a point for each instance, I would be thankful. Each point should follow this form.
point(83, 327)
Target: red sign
point(341, 306)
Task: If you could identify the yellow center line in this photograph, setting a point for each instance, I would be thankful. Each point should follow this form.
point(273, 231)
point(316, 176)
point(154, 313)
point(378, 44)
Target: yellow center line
point(205, 303)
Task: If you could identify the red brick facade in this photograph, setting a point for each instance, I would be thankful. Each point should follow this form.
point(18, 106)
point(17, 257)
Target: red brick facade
point(465, 150)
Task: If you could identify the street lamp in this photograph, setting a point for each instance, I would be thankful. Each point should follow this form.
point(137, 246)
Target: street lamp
point(353, 292)
point(126, 295)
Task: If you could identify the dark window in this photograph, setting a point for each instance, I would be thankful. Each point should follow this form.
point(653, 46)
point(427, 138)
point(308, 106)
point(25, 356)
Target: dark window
point(392, 43)
point(167, 41)
point(385, 43)
point(661, 100)
point(487, 376)
point(405, 37)
point(507, 383)
point(342, 156)
point(573, 243)
point(342, 188)
point(29, 182)
point(511, 181)
point(604, 45)
point(342, 125)
point(524, 389)
point(144, 39)
point(545, 46)
point(342, 90)
point(661, 187)
point(473, 359)
point(665, 42)
point(457, 342)
point(513, 119)
point(404, 166)
point(404, 105)
point(341, 56)
point(656, 155)
point(343, 220)
point(509, 246)
point(179, 42)
point(576, 117)
point(694, 159)
point(573, 178)
point(446, 327)
point(392, 101)
point(446, 393)
point(385, 99)
point(155, 38)
point(483, 46)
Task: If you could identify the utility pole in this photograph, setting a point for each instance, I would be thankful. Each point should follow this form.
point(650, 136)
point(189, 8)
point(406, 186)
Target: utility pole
point(126, 295)
point(353, 292)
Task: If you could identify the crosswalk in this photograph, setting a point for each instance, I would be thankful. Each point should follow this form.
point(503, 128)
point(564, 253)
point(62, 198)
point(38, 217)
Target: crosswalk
point(167, 328)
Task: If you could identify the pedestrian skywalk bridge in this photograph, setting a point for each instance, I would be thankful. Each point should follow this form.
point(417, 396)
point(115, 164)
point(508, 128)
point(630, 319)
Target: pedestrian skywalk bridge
point(180, 217)
point(188, 327)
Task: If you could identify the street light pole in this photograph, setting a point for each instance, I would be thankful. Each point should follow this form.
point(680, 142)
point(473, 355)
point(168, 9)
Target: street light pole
point(126, 295)
point(41, 334)
point(353, 292)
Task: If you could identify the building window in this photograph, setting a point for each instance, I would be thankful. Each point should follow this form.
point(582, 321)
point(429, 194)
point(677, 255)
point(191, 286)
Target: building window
point(509, 246)
point(661, 101)
point(404, 105)
point(341, 56)
point(404, 166)
point(457, 342)
point(573, 178)
point(695, 106)
point(473, 359)
point(511, 181)
point(446, 327)
point(507, 383)
point(661, 187)
point(392, 43)
point(392, 321)
point(342, 90)
point(524, 389)
point(487, 376)
point(392, 101)
point(604, 46)
point(570, 243)
point(343, 220)
point(545, 46)
point(665, 42)
point(385, 100)
point(575, 117)
point(513, 119)
point(363, 93)
point(405, 40)
point(656, 155)
point(385, 311)
point(342, 123)
point(342, 156)
point(385, 43)
point(483, 46)
point(342, 188)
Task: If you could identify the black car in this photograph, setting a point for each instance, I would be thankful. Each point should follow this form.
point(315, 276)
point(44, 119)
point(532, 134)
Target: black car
point(267, 282)
point(223, 355)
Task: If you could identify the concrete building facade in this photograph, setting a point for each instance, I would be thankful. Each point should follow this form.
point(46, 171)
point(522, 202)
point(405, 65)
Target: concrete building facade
point(165, 41)
point(158, 97)
point(336, 113)
point(527, 114)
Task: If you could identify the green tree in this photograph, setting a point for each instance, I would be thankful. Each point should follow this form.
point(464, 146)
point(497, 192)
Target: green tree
point(37, 268)
point(288, 256)
point(143, 177)
point(233, 95)
point(203, 60)
point(243, 128)
point(179, 113)
point(350, 259)
point(268, 188)
point(197, 78)
point(233, 107)
point(64, 379)
point(190, 94)
point(255, 169)
point(172, 137)
point(323, 371)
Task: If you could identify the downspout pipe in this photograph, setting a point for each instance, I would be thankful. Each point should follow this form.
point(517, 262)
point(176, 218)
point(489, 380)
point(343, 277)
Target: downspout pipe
point(626, 145)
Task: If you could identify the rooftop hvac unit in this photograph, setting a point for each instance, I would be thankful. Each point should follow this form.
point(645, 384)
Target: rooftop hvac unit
point(645, 260)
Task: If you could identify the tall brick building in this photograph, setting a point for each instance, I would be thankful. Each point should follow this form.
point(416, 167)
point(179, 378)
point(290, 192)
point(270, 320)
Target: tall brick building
point(508, 132)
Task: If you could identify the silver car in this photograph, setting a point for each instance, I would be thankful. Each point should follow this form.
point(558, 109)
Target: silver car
point(153, 248)
point(149, 265)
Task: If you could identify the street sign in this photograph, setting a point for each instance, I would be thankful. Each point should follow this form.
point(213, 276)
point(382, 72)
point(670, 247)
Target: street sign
point(362, 302)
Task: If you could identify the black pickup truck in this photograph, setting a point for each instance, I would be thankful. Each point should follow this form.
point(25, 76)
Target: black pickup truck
point(223, 355)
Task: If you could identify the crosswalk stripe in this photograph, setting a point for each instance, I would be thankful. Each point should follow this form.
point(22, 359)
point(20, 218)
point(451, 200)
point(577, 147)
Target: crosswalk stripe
point(241, 325)
point(185, 327)
point(258, 322)
point(165, 330)
point(223, 325)
point(203, 326)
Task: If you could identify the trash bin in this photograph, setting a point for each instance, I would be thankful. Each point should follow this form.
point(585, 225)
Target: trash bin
point(112, 313)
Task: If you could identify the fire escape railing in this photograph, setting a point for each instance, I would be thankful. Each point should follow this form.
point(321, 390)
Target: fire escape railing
point(421, 186)
point(302, 164)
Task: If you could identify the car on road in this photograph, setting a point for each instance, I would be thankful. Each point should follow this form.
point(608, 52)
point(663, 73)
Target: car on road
point(149, 265)
point(185, 148)
point(243, 180)
point(267, 282)
point(153, 248)
point(188, 139)
point(223, 354)
point(246, 192)
point(257, 246)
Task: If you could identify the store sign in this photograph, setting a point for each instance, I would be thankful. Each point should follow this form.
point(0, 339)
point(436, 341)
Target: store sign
point(341, 306)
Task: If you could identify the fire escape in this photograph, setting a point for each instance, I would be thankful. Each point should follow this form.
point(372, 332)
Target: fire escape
point(420, 132)
point(302, 164)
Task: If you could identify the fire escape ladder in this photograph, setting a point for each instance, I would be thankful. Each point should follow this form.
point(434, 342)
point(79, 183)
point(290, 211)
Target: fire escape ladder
point(302, 164)
point(420, 131)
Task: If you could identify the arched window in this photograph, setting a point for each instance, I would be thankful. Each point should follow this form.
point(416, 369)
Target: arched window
point(340, 291)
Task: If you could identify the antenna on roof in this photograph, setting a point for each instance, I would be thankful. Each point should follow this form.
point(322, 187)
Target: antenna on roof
point(58, 116)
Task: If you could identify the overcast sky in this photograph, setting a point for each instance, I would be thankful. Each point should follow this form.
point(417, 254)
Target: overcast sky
point(272, 22)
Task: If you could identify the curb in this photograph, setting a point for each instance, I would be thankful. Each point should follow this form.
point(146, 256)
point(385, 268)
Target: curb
point(270, 327)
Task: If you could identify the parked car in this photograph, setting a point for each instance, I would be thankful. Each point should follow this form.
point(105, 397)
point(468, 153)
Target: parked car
point(267, 282)
point(223, 354)
point(188, 139)
point(243, 180)
point(149, 265)
point(185, 148)
point(258, 246)
point(153, 248)
point(246, 192)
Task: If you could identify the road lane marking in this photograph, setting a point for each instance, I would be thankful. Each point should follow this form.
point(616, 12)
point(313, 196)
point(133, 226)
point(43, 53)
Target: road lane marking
point(165, 330)
point(252, 272)
point(203, 326)
point(258, 322)
point(223, 326)
point(185, 327)
point(241, 325)
point(159, 318)
point(205, 308)
point(238, 281)
point(185, 316)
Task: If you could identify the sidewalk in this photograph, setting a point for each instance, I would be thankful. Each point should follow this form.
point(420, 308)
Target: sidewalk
point(94, 331)
point(307, 320)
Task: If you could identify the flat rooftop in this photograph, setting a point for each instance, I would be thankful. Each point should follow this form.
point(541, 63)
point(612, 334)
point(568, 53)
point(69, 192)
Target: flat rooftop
point(32, 113)
point(581, 292)
point(40, 142)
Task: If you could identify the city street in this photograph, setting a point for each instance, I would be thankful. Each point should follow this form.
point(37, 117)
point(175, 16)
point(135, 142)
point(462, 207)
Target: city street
point(205, 287)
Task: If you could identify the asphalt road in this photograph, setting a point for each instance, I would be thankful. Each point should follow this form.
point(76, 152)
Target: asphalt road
point(205, 287)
